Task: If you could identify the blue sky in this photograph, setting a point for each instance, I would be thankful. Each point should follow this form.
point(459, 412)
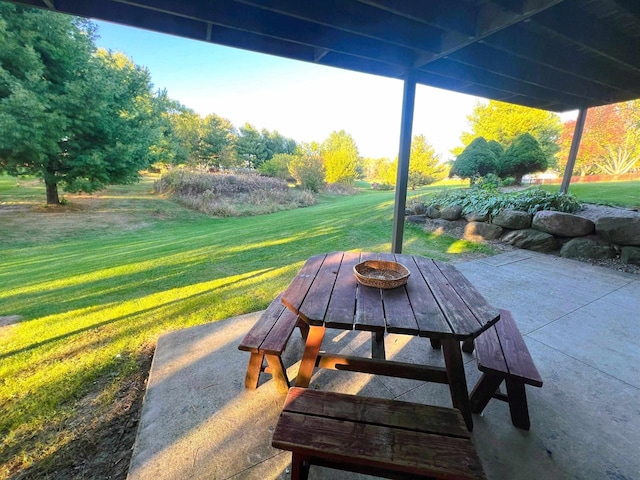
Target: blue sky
point(300, 100)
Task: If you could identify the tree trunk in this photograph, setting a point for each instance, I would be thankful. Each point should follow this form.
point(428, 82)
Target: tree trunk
point(52, 193)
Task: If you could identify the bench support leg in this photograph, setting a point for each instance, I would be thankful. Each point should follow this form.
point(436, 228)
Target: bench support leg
point(457, 379)
point(377, 345)
point(484, 390)
point(253, 370)
point(304, 328)
point(467, 346)
point(278, 372)
point(311, 350)
point(435, 343)
point(299, 467)
point(518, 404)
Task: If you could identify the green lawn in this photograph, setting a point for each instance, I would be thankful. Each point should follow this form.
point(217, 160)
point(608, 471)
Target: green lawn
point(96, 282)
point(624, 194)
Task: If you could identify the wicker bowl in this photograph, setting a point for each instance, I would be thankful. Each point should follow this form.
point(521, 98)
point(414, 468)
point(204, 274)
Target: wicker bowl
point(381, 274)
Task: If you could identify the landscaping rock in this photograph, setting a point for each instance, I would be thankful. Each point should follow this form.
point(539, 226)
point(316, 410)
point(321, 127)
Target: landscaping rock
point(620, 230)
point(562, 224)
point(432, 212)
point(477, 217)
point(531, 239)
point(419, 209)
point(477, 231)
point(630, 255)
point(513, 219)
point(407, 212)
point(453, 212)
point(588, 247)
point(416, 218)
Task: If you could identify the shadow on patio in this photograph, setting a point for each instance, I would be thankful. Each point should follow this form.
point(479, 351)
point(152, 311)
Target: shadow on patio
point(581, 325)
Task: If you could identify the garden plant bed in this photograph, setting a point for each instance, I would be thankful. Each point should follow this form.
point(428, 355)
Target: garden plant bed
point(592, 212)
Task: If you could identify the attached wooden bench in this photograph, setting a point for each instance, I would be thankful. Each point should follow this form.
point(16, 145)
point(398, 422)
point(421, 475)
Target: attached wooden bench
point(374, 436)
point(268, 338)
point(503, 356)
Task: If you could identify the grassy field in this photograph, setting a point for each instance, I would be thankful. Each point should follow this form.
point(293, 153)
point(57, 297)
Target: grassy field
point(624, 194)
point(94, 283)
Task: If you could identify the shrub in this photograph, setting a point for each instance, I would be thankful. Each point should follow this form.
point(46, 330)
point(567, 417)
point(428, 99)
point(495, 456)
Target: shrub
point(308, 172)
point(277, 167)
point(489, 182)
point(477, 200)
point(226, 195)
point(507, 182)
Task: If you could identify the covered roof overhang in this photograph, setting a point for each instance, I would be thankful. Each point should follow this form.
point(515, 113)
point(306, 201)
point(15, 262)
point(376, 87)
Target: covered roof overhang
point(556, 55)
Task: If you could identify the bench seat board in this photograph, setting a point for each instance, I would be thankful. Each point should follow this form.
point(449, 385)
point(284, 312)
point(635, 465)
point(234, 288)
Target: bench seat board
point(352, 442)
point(279, 335)
point(378, 411)
point(502, 349)
point(257, 334)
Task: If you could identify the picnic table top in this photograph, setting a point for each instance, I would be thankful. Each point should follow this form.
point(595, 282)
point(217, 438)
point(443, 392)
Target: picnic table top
point(437, 302)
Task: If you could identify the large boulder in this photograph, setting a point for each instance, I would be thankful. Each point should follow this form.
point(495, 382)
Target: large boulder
point(432, 212)
point(477, 231)
point(419, 209)
point(630, 255)
point(531, 239)
point(453, 212)
point(620, 230)
point(513, 219)
point(562, 224)
point(588, 247)
point(476, 217)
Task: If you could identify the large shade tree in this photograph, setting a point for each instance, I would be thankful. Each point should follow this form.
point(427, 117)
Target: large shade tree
point(424, 163)
point(610, 142)
point(76, 117)
point(340, 154)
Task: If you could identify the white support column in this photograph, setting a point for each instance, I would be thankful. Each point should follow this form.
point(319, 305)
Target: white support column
point(406, 125)
point(573, 151)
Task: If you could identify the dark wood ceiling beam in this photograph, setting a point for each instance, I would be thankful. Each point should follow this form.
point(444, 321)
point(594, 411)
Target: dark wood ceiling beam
point(358, 19)
point(591, 33)
point(450, 68)
point(630, 6)
point(491, 18)
point(507, 65)
point(449, 15)
point(273, 25)
point(521, 42)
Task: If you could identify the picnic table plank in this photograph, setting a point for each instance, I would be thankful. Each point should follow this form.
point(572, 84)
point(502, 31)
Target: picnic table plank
point(397, 308)
point(485, 313)
point(268, 319)
point(462, 321)
point(315, 304)
point(340, 313)
point(297, 290)
point(429, 318)
point(369, 313)
point(517, 353)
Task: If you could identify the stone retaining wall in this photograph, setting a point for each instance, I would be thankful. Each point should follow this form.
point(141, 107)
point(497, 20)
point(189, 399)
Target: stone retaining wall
point(546, 231)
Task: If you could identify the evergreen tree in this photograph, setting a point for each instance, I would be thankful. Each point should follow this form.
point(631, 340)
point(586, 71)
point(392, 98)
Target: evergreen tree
point(478, 159)
point(523, 156)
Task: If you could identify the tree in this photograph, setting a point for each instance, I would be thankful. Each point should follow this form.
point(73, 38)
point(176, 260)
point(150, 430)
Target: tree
point(424, 164)
point(504, 122)
point(73, 116)
point(277, 166)
point(340, 155)
point(216, 147)
point(610, 141)
point(308, 169)
point(478, 159)
point(523, 156)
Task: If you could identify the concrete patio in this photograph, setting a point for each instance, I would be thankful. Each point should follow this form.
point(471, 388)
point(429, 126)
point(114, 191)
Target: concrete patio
point(581, 325)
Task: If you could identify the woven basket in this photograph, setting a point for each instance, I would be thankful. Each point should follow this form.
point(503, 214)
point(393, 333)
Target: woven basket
point(381, 274)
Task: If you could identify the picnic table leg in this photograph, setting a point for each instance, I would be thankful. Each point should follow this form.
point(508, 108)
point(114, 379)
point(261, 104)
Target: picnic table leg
point(278, 372)
point(377, 345)
point(457, 379)
point(311, 350)
point(299, 466)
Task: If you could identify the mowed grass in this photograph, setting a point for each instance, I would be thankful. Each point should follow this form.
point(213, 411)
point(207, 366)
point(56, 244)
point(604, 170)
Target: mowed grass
point(95, 283)
point(623, 194)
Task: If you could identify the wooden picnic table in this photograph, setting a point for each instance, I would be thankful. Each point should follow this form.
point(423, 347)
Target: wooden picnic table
point(438, 303)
